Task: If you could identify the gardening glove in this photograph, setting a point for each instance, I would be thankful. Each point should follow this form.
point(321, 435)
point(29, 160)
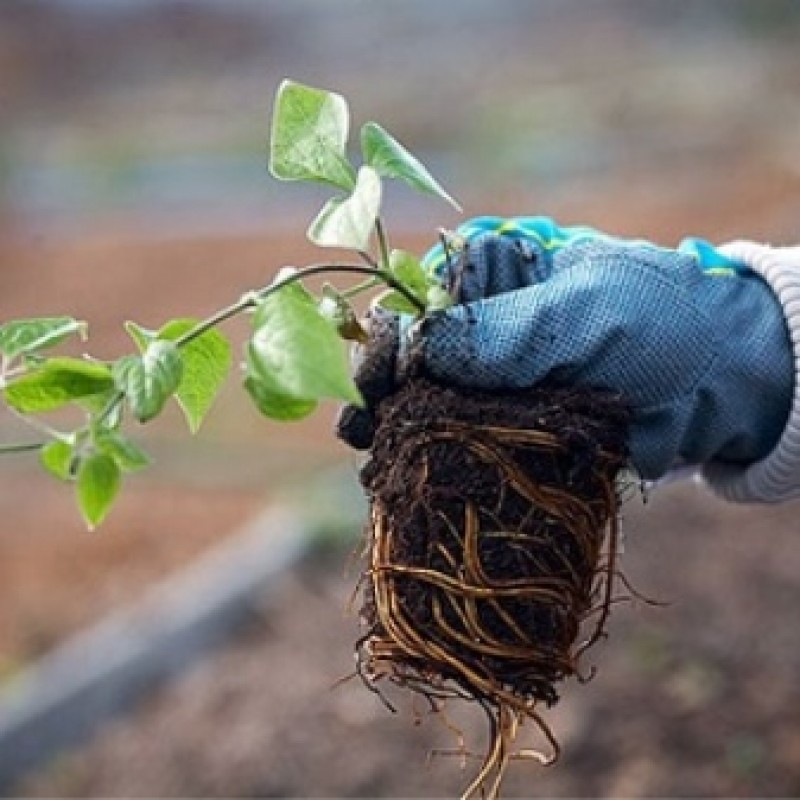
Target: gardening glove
point(695, 341)
point(491, 266)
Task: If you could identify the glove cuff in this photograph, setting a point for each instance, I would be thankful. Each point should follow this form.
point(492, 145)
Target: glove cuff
point(776, 477)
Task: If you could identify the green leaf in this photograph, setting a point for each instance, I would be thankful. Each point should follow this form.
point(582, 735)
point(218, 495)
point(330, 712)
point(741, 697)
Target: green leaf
point(408, 270)
point(32, 361)
point(150, 379)
point(141, 336)
point(55, 383)
point(97, 404)
point(24, 336)
point(296, 352)
point(274, 404)
point(392, 300)
point(349, 221)
point(389, 158)
point(99, 481)
point(438, 298)
point(125, 452)
point(56, 457)
point(309, 136)
point(206, 362)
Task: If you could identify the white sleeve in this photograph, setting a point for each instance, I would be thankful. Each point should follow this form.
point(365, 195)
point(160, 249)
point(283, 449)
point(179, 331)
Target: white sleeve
point(776, 477)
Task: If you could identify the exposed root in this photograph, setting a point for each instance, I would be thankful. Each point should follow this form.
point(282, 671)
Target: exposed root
point(492, 539)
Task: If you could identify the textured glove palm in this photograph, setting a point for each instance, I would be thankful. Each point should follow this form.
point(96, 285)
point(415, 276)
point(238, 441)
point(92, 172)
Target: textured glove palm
point(703, 358)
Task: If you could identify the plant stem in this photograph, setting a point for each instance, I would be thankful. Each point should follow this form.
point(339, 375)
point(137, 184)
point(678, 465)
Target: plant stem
point(368, 259)
point(23, 447)
point(245, 302)
point(251, 299)
point(375, 275)
point(383, 244)
point(360, 287)
point(110, 407)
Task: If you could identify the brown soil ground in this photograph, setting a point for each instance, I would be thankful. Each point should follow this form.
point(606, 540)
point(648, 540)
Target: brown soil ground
point(696, 699)
point(700, 698)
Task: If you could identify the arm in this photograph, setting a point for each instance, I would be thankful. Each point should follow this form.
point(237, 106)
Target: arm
point(776, 477)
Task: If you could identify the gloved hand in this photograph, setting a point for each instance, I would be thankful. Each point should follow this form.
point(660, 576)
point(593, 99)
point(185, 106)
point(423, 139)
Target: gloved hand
point(699, 349)
point(491, 266)
point(703, 356)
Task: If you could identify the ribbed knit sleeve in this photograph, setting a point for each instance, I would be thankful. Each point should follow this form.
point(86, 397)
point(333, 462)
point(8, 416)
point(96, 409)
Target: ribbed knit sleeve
point(776, 477)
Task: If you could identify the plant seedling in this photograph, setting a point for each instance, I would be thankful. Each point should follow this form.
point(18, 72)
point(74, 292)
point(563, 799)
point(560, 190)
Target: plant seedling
point(295, 355)
point(492, 517)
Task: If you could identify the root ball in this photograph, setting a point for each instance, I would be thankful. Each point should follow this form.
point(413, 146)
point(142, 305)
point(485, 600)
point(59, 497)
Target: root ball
point(492, 546)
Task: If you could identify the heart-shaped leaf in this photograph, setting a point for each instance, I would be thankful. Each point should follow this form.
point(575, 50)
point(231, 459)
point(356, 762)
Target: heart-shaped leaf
point(150, 379)
point(389, 158)
point(141, 336)
point(22, 337)
point(349, 221)
point(296, 352)
point(128, 455)
point(98, 483)
point(206, 362)
point(274, 404)
point(56, 382)
point(309, 136)
point(56, 457)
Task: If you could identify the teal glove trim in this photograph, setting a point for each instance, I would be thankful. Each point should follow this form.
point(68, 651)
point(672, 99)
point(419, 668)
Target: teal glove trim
point(544, 233)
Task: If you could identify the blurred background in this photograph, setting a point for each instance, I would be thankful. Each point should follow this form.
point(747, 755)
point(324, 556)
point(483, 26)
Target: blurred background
point(133, 186)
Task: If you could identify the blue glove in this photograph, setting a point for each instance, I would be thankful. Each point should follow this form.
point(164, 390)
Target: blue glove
point(696, 343)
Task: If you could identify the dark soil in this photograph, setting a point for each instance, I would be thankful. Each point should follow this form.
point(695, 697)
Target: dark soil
point(488, 546)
